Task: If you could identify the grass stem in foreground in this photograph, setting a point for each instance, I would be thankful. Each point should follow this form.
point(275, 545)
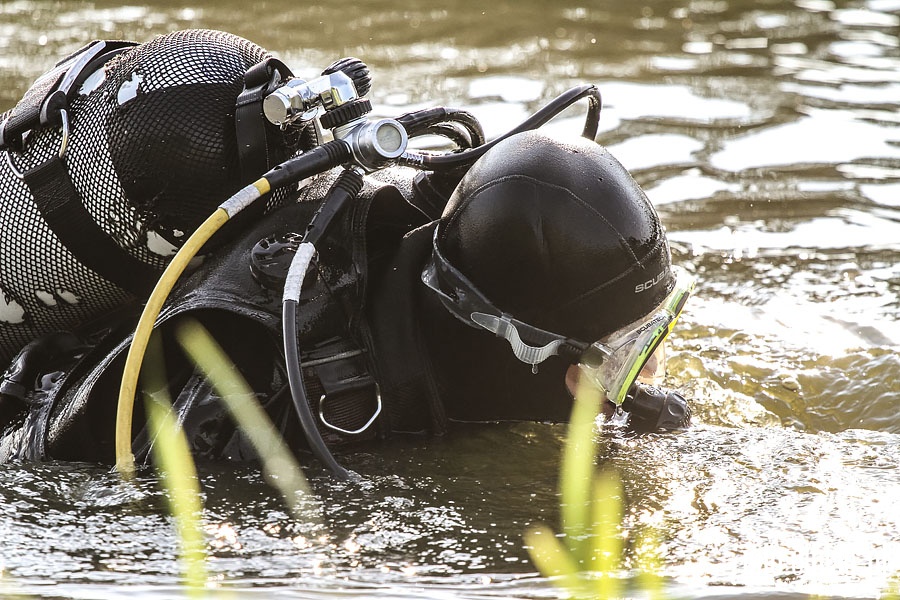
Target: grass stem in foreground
point(279, 465)
point(588, 564)
point(179, 475)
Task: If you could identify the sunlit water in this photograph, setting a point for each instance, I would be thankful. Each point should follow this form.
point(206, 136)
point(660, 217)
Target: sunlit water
point(768, 136)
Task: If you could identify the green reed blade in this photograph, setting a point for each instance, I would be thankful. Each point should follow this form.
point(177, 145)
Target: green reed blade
point(576, 472)
point(178, 473)
point(180, 480)
point(552, 558)
point(606, 542)
point(279, 465)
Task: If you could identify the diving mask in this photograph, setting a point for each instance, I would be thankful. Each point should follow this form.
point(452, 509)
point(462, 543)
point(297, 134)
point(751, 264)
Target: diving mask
point(612, 364)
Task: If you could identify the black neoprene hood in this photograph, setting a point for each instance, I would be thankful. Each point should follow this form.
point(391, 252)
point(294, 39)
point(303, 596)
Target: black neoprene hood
point(558, 234)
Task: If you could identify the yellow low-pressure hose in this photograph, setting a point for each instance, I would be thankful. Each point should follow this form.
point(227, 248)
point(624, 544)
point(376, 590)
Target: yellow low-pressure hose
point(128, 388)
point(318, 160)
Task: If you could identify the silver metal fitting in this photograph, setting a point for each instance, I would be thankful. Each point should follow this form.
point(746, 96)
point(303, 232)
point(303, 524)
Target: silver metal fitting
point(374, 143)
point(298, 100)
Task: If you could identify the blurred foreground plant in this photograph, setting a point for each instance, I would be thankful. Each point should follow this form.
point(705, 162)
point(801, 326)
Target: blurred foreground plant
point(892, 591)
point(278, 463)
point(177, 471)
point(171, 450)
point(587, 560)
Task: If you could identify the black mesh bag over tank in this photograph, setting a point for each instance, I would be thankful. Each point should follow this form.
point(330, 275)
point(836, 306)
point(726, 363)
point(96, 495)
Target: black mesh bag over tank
point(152, 151)
point(173, 123)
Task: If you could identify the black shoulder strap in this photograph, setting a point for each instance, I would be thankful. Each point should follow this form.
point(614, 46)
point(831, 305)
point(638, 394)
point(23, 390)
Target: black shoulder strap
point(249, 120)
point(61, 206)
point(393, 336)
point(46, 104)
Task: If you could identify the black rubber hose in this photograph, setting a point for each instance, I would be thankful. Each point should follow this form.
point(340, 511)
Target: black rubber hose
point(454, 132)
point(298, 392)
point(422, 121)
point(315, 161)
point(557, 105)
point(342, 192)
point(417, 121)
point(470, 122)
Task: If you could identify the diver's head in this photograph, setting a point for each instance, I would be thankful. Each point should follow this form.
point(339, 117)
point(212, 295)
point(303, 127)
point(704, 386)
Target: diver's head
point(554, 247)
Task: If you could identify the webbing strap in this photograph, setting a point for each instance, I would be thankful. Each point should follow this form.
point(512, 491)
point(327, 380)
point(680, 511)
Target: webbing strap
point(49, 94)
point(348, 408)
point(26, 114)
point(341, 389)
point(60, 205)
point(249, 120)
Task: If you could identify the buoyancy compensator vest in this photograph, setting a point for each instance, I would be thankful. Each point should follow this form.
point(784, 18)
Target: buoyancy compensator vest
point(236, 294)
point(109, 162)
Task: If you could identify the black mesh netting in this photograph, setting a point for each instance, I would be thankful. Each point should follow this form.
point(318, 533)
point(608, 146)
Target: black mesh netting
point(173, 121)
point(152, 152)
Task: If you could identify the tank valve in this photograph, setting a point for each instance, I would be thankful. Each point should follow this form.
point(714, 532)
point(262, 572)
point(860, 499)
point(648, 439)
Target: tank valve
point(299, 100)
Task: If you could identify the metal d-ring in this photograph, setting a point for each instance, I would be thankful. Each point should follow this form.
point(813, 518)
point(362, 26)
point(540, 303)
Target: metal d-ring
point(351, 431)
point(63, 144)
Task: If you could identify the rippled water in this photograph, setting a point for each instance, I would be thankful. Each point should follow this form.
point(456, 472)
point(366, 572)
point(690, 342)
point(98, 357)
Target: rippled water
point(768, 136)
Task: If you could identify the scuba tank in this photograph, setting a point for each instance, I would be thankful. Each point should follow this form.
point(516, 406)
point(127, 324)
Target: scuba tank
point(112, 159)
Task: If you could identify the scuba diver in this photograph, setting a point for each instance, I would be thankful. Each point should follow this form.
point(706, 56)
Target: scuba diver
point(361, 288)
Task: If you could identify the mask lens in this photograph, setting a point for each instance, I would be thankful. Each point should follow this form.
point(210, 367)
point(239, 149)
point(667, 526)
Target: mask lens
point(595, 355)
point(629, 355)
point(654, 371)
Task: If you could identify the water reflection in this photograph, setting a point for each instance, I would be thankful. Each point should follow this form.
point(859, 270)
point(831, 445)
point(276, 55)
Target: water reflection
point(767, 136)
point(822, 136)
point(804, 499)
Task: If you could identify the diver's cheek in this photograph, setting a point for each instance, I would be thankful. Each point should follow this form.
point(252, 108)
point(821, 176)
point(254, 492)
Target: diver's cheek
point(572, 375)
point(654, 371)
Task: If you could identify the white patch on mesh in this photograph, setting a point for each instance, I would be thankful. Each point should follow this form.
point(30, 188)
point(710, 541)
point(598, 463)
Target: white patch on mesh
point(159, 245)
point(69, 297)
point(45, 297)
point(94, 81)
point(10, 310)
point(128, 91)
